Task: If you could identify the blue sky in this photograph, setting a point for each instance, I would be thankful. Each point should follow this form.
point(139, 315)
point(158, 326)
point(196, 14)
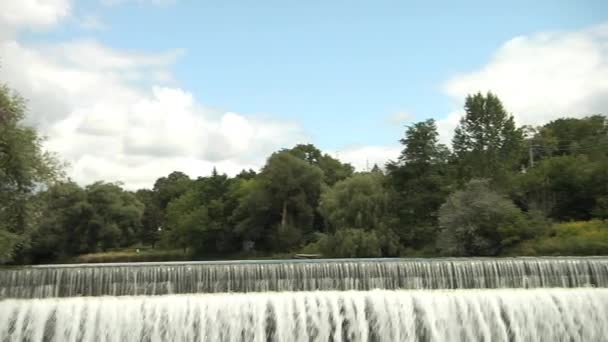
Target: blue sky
point(339, 70)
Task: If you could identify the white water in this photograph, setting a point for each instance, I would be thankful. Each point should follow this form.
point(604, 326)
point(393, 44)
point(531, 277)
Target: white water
point(350, 274)
point(439, 315)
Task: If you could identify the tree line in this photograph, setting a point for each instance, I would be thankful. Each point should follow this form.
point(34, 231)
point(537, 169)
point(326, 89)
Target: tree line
point(499, 189)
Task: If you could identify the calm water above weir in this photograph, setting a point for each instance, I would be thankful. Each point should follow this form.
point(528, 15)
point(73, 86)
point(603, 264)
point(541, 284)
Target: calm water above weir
point(303, 275)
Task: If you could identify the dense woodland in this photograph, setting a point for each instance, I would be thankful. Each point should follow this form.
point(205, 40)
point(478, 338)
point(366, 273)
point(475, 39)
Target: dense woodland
point(499, 189)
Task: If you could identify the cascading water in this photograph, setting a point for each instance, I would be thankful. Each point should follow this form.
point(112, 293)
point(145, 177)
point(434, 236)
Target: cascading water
point(512, 299)
point(348, 274)
point(462, 315)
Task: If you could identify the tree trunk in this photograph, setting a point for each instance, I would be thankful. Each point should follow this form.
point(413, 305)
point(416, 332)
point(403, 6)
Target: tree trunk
point(284, 216)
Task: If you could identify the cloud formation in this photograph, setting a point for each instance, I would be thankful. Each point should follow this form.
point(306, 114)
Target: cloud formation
point(140, 2)
point(92, 23)
point(116, 115)
point(543, 76)
point(539, 77)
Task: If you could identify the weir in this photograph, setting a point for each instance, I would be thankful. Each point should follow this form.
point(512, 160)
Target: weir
point(473, 299)
point(304, 275)
point(463, 315)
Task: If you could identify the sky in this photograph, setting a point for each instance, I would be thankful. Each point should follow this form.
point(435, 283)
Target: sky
point(130, 90)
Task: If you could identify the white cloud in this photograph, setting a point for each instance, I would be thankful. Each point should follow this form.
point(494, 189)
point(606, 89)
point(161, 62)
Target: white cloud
point(92, 23)
point(539, 77)
point(16, 14)
point(400, 117)
point(122, 118)
point(363, 158)
point(544, 76)
point(140, 2)
point(446, 127)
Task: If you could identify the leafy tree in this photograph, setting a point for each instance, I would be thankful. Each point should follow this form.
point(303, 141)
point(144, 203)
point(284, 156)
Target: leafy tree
point(487, 143)
point(280, 207)
point(202, 217)
point(571, 136)
point(357, 202)
point(152, 217)
point(479, 221)
point(421, 180)
point(116, 216)
point(361, 202)
point(63, 224)
point(560, 187)
point(333, 169)
point(171, 187)
point(24, 166)
point(349, 243)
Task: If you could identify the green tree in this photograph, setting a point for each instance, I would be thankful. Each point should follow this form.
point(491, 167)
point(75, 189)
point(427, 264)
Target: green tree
point(333, 169)
point(348, 243)
point(571, 136)
point(561, 187)
point(361, 202)
point(202, 217)
point(152, 217)
point(421, 180)
point(357, 202)
point(116, 218)
point(480, 221)
point(24, 166)
point(486, 143)
point(280, 206)
point(63, 224)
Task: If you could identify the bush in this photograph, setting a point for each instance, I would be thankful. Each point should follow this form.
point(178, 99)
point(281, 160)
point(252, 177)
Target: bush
point(480, 221)
point(570, 238)
point(131, 255)
point(347, 243)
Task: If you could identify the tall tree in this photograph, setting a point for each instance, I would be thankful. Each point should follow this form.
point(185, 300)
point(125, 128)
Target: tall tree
point(152, 217)
point(63, 225)
point(420, 179)
point(116, 218)
point(202, 217)
point(24, 166)
point(280, 206)
point(487, 143)
point(333, 169)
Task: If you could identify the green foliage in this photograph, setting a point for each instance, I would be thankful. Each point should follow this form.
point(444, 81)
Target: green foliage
point(420, 180)
point(357, 202)
point(201, 218)
point(480, 221)
point(333, 169)
point(132, 255)
point(76, 220)
point(24, 165)
point(347, 243)
point(429, 201)
point(281, 203)
point(568, 238)
point(486, 143)
point(560, 187)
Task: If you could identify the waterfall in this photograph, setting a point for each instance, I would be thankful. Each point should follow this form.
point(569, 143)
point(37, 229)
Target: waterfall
point(449, 299)
point(307, 275)
point(379, 315)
